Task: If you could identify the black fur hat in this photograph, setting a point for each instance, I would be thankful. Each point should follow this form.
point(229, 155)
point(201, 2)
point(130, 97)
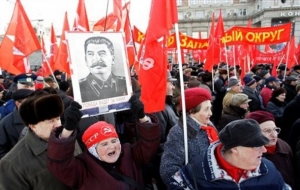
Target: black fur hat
point(41, 107)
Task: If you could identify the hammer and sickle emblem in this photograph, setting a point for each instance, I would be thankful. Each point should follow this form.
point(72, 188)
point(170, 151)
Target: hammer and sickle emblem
point(148, 63)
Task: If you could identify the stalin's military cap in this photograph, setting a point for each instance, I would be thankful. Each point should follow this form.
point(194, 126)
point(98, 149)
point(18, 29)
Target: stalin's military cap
point(21, 94)
point(25, 78)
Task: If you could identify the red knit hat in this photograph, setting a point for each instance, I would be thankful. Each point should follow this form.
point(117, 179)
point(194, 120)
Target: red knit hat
point(260, 116)
point(194, 97)
point(98, 132)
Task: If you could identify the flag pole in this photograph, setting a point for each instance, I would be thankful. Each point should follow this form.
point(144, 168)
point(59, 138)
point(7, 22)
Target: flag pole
point(182, 93)
point(234, 61)
point(287, 60)
point(106, 15)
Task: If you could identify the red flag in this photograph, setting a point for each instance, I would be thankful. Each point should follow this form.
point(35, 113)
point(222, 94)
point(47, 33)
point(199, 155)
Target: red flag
point(290, 53)
point(81, 22)
point(53, 48)
point(219, 33)
point(210, 61)
point(44, 70)
point(117, 12)
point(105, 23)
point(268, 49)
point(131, 53)
point(19, 41)
point(153, 71)
point(62, 60)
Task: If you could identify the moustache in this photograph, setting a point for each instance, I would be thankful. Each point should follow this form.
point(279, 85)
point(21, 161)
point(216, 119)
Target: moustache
point(95, 64)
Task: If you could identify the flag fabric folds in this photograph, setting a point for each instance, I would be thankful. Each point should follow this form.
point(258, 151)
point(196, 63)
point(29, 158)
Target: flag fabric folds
point(19, 42)
point(44, 70)
point(62, 60)
point(81, 22)
point(153, 62)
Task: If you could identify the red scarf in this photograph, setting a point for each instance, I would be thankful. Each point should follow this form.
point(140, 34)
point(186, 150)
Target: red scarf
point(234, 172)
point(271, 149)
point(211, 132)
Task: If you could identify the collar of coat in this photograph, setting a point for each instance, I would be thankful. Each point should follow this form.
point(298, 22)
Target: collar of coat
point(35, 143)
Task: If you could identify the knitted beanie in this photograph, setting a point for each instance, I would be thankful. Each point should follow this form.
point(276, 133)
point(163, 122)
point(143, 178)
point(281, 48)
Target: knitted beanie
point(98, 132)
point(194, 97)
point(260, 116)
point(232, 81)
point(248, 80)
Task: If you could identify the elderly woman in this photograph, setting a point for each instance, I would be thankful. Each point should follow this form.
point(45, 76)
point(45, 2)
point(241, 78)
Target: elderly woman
point(276, 105)
point(278, 151)
point(106, 164)
point(236, 110)
point(200, 133)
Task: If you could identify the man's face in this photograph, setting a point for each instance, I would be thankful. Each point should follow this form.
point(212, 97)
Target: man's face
point(43, 129)
point(99, 59)
point(170, 88)
point(237, 88)
point(248, 158)
point(275, 84)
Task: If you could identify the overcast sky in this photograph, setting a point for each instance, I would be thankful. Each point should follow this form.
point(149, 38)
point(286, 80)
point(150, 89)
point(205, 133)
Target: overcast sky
point(52, 11)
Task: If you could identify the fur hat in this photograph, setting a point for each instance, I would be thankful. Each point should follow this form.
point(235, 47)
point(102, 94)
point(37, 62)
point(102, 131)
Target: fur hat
point(260, 116)
point(194, 97)
point(41, 107)
point(223, 71)
point(98, 132)
point(242, 132)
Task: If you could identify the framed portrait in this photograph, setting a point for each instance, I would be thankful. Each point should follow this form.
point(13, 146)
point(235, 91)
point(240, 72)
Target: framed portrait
point(100, 74)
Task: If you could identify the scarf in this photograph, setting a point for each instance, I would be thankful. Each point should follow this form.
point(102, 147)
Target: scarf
point(234, 172)
point(211, 132)
point(271, 149)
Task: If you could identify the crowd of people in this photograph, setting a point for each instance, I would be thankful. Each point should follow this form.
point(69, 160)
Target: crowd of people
point(242, 133)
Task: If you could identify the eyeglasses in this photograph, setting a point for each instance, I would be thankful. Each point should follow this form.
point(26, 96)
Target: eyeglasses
point(269, 131)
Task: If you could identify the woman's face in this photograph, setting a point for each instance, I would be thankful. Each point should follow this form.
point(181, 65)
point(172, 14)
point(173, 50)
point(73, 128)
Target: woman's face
point(204, 113)
point(268, 128)
point(109, 150)
point(281, 97)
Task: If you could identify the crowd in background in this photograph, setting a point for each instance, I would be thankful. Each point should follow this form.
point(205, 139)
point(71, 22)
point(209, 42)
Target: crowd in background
point(146, 150)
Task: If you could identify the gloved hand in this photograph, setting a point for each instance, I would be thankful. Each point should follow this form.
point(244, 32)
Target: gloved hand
point(72, 116)
point(137, 107)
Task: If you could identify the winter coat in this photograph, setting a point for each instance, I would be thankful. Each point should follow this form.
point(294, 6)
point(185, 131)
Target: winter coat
point(256, 99)
point(266, 94)
point(10, 130)
point(294, 136)
point(290, 92)
point(276, 108)
point(86, 172)
point(206, 173)
point(167, 118)
point(290, 114)
point(283, 160)
point(173, 157)
point(231, 113)
point(220, 89)
point(25, 166)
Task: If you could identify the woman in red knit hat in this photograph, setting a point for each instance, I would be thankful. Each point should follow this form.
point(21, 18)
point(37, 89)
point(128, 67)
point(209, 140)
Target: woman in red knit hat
point(200, 131)
point(106, 164)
